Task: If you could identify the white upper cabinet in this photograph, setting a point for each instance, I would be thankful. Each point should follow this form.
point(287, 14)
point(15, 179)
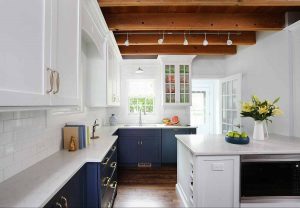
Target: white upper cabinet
point(176, 79)
point(113, 72)
point(65, 55)
point(23, 67)
point(102, 62)
point(39, 42)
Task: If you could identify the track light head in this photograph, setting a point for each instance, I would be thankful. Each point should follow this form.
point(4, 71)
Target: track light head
point(161, 40)
point(185, 42)
point(205, 42)
point(127, 41)
point(229, 41)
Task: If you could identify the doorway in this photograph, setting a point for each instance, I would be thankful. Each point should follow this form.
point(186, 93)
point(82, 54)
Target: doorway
point(204, 105)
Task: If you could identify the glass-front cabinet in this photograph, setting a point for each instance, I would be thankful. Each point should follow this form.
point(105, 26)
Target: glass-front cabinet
point(177, 82)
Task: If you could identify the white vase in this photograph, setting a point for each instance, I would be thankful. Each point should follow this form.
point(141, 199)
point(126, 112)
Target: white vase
point(258, 133)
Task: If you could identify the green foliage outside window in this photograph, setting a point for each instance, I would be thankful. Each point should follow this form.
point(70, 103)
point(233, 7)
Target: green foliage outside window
point(144, 103)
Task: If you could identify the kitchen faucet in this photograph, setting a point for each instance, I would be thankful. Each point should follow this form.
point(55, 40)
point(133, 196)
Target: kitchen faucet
point(94, 129)
point(140, 115)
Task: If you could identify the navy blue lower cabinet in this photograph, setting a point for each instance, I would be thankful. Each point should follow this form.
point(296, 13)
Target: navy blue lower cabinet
point(169, 143)
point(101, 181)
point(128, 150)
point(72, 194)
point(139, 147)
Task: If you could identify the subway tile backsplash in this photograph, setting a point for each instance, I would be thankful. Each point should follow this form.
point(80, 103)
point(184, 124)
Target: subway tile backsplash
point(27, 137)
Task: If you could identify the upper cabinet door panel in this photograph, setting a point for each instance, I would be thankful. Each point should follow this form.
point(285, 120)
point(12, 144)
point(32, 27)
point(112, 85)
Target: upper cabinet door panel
point(22, 63)
point(67, 53)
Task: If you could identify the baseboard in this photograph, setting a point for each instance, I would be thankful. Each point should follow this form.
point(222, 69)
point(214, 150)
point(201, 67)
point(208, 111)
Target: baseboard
point(181, 195)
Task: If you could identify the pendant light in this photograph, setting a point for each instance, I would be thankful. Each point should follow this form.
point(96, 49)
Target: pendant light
point(127, 41)
point(185, 42)
point(205, 42)
point(139, 70)
point(161, 40)
point(229, 41)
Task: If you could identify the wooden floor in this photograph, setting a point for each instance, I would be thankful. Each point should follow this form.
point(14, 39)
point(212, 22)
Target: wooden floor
point(147, 187)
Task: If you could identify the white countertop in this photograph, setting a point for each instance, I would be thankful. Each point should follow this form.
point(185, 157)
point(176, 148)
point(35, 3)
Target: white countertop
point(154, 126)
point(35, 186)
point(216, 145)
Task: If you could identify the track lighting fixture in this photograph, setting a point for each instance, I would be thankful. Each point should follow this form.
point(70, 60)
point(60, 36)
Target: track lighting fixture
point(229, 41)
point(185, 42)
point(126, 41)
point(161, 40)
point(205, 42)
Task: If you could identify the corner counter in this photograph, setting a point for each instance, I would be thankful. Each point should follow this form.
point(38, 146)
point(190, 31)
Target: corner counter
point(36, 185)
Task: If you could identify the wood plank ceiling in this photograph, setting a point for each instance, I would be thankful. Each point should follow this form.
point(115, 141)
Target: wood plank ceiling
point(139, 24)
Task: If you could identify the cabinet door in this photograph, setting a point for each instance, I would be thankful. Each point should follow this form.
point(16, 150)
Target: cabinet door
point(150, 150)
point(128, 150)
point(169, 143)
point(72, 194)
point(66, 53)
point(110, 75)
point(23, 68)
point(217, 181)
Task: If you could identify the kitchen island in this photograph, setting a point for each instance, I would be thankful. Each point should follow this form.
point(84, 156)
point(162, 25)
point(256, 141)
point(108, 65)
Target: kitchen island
point(209, 170)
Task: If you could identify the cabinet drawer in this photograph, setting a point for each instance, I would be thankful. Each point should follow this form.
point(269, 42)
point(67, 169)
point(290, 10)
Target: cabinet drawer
point(108, 167)
point(110, 193)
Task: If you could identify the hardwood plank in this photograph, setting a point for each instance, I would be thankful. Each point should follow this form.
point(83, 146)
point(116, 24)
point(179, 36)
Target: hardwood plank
point(113, 3)
point(195, 21)
point(244, 38)
point(147, 187)
point(177, 50)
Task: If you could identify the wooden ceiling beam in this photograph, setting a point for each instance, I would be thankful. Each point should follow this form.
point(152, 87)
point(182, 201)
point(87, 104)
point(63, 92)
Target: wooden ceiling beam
point(244, 38)
point(195, 21)
point(178, 50)
point(118, 3)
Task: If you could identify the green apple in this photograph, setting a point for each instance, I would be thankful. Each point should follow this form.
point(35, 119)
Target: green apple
point(230, 134)
point(244, 135)
point(236, 135)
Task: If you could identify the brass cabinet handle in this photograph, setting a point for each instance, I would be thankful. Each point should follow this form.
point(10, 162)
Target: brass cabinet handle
point(51, 79)
point(105, 161)
point(65, 201)
point(113, 164)
point(113, 185)
point(58, 205)
point(107, 182)
point(57, 82)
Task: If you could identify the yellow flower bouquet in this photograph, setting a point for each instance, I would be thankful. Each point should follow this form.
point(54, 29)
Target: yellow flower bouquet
point(260, 110)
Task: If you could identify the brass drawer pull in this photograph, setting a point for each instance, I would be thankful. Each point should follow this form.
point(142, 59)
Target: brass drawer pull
point(58, 205)
point(113, 185)
point(107, 179)
point(105, 161)
point(113, 165)
point(65, 201)
point(113, 148)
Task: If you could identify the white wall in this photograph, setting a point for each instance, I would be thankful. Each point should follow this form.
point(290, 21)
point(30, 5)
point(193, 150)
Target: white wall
point(152, 70)
point(208, 67)
point(265, 68)
point(294, 35)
